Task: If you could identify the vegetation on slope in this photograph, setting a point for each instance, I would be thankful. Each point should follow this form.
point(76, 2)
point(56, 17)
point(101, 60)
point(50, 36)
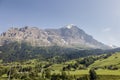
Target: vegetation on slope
point(23, 51)
point(111, 62)
point(25, 62)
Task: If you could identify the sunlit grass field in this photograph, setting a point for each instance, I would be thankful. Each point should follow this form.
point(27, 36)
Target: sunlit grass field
point(112, 60)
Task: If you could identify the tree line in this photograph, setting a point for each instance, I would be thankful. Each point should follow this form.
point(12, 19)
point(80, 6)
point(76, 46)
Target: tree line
point(23, 51)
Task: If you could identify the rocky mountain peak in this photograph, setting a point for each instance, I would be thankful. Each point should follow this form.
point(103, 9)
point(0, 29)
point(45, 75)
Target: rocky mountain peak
point(69, 36)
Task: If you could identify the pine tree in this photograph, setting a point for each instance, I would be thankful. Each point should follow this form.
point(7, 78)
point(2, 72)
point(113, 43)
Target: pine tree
point(93, 75)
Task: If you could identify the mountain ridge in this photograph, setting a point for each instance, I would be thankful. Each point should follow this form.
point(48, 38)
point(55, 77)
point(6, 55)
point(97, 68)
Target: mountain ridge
point(68, 36)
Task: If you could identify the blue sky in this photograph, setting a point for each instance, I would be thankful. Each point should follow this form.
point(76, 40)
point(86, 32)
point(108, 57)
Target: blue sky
point(99, 18)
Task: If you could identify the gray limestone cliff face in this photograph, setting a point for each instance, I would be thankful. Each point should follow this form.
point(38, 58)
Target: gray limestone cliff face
point(69, 36)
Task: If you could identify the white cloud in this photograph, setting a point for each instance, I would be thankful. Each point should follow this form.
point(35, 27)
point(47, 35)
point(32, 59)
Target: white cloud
point(106, 29)
point(113, 41)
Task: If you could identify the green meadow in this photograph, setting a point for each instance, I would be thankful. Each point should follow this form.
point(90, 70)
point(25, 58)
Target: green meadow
point(106, 68)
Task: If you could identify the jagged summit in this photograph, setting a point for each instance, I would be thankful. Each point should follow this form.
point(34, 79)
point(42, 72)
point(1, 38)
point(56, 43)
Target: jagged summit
point(69, 36)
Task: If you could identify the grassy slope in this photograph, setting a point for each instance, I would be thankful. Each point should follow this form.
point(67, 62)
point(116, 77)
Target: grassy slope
point(102, 73)
point(112, 60)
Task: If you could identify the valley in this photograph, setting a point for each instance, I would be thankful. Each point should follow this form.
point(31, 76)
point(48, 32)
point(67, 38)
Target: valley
point(57, 63)
point(59, 40)
point(33, 69)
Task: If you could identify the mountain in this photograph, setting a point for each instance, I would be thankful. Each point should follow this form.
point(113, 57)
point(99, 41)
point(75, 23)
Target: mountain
point(68, 36)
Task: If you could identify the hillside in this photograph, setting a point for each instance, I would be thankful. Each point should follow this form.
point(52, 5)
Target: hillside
point(51, 68)
point(113, 60)
point(28, 62)
point(23, 51)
